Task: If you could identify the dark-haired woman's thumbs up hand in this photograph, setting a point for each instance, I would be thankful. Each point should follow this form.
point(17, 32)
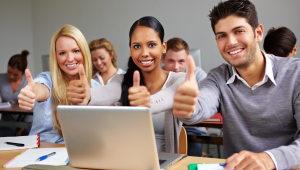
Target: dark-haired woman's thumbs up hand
point(138, 95)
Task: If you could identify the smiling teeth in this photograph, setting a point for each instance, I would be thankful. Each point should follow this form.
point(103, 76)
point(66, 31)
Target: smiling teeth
point(71, 65)
point(146, 62)
point(236, 51)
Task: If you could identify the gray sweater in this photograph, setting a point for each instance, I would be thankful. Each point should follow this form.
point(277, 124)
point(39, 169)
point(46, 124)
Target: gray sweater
point(264, 119)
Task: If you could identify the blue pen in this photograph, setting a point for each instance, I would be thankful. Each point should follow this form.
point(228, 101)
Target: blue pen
point(45, 156)
point(224, 164)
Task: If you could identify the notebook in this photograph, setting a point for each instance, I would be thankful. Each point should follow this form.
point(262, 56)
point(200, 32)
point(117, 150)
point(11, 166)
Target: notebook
point(215, 118)
point(210, 167)
point(32, 141)
point(111, 137)
point(30, 156)
point(5, 105)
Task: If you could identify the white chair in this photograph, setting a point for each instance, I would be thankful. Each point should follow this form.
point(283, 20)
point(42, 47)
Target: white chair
point(196, 53)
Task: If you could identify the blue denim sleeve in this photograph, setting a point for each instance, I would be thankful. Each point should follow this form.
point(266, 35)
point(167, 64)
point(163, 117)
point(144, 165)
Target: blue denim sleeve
point(45, 79)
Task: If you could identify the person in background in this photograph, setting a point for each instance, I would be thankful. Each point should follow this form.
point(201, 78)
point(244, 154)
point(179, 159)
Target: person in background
point(104, 60)
point(10, 85)
point(175, 60)
point(68, 52)
point(280, 42)
point(143, 82)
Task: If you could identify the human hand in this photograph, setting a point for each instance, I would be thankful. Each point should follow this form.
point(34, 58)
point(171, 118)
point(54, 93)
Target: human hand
point(185, 98)
point(249, 160)
point(138, 95)
point(27, 95)
point(20, 131)
point(78, 91)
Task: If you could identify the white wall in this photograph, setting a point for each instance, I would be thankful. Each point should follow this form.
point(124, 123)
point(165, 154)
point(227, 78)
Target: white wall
point(15, 31)
point(112, 19)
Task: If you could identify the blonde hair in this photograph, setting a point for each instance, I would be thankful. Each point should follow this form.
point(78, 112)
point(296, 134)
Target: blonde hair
point(103, 43)
point(59, 79)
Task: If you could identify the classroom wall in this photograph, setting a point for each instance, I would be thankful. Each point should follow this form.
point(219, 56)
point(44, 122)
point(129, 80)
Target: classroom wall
point(112, 20)
point(15, 31)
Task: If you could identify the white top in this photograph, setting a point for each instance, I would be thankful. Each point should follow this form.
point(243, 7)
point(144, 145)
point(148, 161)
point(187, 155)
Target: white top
point(159, 126)
point(97, 77)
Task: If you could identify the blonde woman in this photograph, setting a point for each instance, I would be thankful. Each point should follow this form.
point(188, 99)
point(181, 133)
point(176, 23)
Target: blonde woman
point(68, 51)
point(104, 60)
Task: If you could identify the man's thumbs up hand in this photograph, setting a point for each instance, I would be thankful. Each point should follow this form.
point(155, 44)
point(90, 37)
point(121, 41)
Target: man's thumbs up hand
point(186, 95)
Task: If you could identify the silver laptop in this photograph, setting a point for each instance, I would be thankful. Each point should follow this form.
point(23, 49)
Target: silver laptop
point(111, 137)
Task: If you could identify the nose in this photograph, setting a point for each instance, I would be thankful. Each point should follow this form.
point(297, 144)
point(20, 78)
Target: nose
point(145, 52)
point(70, 57)
point(11, 76)
point(99, 61)
point(176, 67)
point(232, 41)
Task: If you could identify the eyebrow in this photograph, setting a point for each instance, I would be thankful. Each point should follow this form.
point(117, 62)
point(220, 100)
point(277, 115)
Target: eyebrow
point(232, 29)
point(76, 48)
point(148, 42)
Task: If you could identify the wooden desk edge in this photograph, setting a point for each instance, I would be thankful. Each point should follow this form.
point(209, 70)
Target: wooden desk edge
point(182, 164)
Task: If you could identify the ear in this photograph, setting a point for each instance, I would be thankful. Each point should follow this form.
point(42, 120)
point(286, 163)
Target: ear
point(259, 33)
point(164, 47)
point(163, 58)
point(295, 50)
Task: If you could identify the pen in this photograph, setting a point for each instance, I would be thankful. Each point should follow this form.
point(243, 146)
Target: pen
point(224, 164)
point(15, 144)
point(45, 156)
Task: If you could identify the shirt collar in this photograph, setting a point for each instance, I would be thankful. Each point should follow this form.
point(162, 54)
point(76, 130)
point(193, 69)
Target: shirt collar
point(268, 71)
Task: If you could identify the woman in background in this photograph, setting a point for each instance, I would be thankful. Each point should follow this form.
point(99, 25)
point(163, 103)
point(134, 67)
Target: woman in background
point(68, 52)
point(280, 42)
point(104, 60)
point(10, 85)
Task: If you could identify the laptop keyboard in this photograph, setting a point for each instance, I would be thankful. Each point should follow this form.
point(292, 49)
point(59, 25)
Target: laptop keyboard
point(162, 161)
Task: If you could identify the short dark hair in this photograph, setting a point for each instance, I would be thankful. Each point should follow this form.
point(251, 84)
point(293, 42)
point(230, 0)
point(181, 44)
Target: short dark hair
point(19, 61)
point(177, 44)
point(280, 41)
point(239, 8)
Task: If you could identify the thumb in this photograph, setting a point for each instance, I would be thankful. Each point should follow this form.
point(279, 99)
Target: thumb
point(190, 74)
point(29, 78)
point(82, 74)
point(136, 78)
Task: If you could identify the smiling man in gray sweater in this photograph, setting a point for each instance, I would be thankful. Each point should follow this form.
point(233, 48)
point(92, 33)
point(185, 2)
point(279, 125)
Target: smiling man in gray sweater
point(256, 93)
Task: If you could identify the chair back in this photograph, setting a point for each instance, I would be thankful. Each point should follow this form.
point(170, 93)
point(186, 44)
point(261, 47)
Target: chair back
point(183, 145)
point(196, 53)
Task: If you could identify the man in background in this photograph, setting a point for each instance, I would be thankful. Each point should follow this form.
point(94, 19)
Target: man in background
point(175, 60)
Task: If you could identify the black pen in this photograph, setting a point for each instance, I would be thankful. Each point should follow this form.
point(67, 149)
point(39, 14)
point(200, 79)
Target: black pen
point(15, 144)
